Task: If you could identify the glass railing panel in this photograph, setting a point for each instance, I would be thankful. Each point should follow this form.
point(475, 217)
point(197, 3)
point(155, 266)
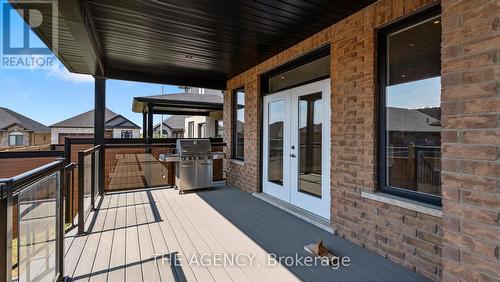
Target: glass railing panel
point(136, 167)
point(37, 231)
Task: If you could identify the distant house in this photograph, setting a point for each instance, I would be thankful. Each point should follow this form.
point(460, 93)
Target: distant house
point(82, 125)
point(414, 126)
point(19, 130)
point(173, 127)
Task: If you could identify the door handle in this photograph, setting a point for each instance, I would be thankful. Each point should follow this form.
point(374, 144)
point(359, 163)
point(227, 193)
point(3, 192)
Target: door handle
point(293, 155)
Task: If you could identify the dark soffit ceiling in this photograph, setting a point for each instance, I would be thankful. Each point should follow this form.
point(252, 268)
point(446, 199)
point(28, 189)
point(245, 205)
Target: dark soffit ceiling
point(185, 42)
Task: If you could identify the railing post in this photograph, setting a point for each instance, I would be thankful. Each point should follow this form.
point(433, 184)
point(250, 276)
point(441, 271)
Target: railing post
point(6, 234)
point(92, 180)
point(81, 188)
point(67, 213)
point(60, 223)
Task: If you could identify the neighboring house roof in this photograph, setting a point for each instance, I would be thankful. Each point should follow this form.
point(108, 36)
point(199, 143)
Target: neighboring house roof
point(173, 122)
point(9, 118)
point(86, 120)
point(413, 120)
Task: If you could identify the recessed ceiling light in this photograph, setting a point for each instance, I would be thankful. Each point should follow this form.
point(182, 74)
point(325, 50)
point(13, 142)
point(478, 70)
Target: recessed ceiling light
point(282, 77)
point(411, 44)
point(436, 22)
point(403, 75)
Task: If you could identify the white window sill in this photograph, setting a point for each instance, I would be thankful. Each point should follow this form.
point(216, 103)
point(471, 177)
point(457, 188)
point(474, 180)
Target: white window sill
point(237, 162)
point(404, 203)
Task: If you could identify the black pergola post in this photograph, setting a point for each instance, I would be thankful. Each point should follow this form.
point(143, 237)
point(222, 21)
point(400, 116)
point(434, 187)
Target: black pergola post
point(150, 122)
point(99, 122)
point(144, 125)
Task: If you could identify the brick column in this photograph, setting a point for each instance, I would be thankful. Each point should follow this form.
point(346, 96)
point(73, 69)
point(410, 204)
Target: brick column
point(471, 140)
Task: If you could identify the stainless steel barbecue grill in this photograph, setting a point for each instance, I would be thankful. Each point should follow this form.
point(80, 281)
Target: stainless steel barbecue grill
point(194, 168)
point(193, 163)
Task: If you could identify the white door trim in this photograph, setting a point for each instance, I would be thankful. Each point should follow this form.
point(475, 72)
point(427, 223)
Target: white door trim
point(317, 205)
point(289, 191)
point(273, 189)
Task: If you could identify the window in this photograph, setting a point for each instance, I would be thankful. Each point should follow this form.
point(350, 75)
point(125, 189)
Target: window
point(239, 124)
point(311, 67)
point(191, 129)
point(219, 129)
point(15, 139)
point(410, 112)
point(126, 134)
point(202, 130)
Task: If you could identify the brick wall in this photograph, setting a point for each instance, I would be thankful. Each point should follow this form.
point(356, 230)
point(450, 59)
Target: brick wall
point(407, 237)
point(471, 140)
point(470, 68)
point(246, 175)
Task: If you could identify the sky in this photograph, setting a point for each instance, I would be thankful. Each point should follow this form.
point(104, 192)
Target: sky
point(423, 93)
point(54, 94)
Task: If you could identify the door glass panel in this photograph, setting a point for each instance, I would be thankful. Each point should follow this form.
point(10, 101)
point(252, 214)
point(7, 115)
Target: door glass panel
point(276, 128)
point(310, 139)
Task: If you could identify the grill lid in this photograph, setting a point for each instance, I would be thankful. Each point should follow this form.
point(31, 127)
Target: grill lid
point(194, 146)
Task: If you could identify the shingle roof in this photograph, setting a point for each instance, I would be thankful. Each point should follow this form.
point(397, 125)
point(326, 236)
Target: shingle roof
point(86, 120)
point(401, 119)
point(174, 122)
point(9, 118)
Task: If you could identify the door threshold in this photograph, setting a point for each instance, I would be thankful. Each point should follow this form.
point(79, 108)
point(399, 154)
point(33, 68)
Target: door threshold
point(314, 219)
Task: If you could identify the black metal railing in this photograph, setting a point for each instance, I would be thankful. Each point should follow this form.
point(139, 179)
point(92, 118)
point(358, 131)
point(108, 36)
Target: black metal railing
point(69, 195)
point(88, 183)
point(31, 208)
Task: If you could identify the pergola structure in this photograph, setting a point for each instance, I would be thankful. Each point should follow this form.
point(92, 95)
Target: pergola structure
point(174, 104)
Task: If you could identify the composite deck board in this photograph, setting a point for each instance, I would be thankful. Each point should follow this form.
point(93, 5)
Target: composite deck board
point(230, 238)
point(133, 270)
point(134, 234)
point(160, 249)
point(150, 271)
point(181, 267)
point(218, 273)
point(188, 249)
point(101, 263)
point(234, 271)
point(86, 262)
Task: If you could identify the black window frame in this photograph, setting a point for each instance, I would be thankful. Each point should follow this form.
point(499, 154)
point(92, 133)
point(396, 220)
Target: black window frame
point(200, 130)
point(312, 56)
point(218, 130)
point(191, 129)
point(382, 34)
point(126, 132)
point(234, 118)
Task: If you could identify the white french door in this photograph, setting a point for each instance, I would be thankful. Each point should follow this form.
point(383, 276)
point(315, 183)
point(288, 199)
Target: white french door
point(296, 147)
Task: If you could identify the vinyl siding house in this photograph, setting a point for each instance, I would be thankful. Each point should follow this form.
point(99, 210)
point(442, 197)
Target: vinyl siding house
point(173, 127)
point(17, 130)
point(82, 125)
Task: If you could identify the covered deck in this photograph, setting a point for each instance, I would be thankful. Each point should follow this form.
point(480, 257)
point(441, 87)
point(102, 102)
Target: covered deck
point(134, 236)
